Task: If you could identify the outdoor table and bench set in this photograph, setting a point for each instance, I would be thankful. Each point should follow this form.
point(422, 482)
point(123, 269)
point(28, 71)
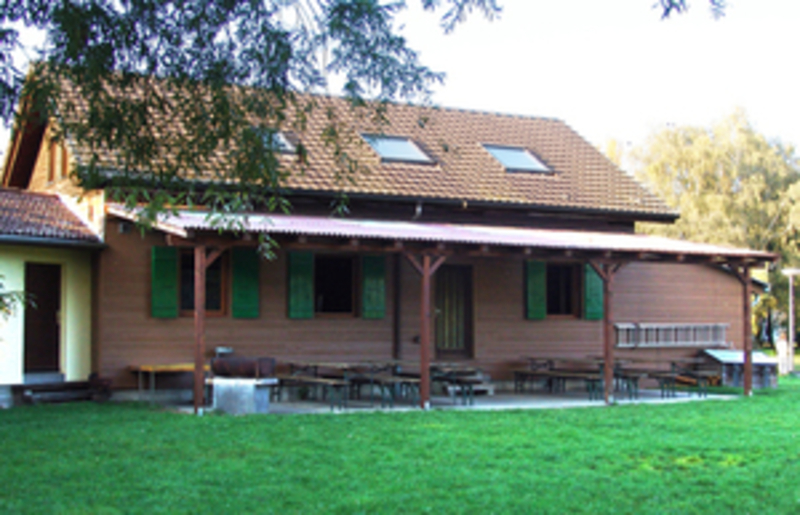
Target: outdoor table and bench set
point(333, 381)
point(554, 372)
point(393, 380)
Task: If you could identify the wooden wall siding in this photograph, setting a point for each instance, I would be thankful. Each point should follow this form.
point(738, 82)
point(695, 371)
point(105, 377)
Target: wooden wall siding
point(40, 176)
point(678, 293)
point(644, 292)
point(89, 204)
point(502, 335)
point(129, 335)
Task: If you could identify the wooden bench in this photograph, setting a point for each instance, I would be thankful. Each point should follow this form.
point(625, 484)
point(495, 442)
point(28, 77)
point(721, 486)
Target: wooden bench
point(334, 389)
point(556, 380)
point(394, 387)
point(95, 389)
point(628, 381)
point(466, 387)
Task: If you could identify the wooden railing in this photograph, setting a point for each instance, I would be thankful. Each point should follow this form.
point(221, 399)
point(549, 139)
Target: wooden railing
point(671, 335)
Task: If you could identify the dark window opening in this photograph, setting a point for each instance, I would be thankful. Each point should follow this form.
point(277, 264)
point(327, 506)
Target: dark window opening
point(561, 291)
point(214, 284)
point(333, 284)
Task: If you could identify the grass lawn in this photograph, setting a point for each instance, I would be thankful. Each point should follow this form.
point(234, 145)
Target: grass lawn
point(740, 456)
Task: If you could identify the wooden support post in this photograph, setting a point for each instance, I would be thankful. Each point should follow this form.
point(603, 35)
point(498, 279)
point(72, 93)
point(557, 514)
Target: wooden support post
point(425, 335)
point(397, 307)
point(426, 269)
point(606, 273)
point(790, 337)
point(608, 336)
point(742, 272)
point(748, 333)
point(199, 325)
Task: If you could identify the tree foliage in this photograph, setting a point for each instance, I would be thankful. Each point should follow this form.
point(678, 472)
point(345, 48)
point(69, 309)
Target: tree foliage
point(10, 301)
point(731, 185)
point(181, 98)
point(668, 7)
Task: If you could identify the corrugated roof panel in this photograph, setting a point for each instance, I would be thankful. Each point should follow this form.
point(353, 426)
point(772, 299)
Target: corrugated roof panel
point(452, 233)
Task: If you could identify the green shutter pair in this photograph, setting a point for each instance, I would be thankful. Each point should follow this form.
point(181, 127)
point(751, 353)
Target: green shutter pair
point(165, 283)
point(536, 292)
point(301, 286)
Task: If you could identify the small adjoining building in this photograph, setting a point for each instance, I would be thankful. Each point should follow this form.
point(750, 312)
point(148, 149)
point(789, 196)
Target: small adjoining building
point(46, 251)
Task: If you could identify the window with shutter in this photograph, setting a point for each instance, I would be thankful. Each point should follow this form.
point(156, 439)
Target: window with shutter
point(592, 294)
point(245, 284)
point(535, 290)
point(373, 287)
point(301, 285)
point(164, 282)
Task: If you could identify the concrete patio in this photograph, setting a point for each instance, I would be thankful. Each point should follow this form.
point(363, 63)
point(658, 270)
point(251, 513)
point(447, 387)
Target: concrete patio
point(503, 400)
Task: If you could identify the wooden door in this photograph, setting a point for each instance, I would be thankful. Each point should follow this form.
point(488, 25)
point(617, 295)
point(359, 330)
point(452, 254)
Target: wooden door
point(453, 304)
point(42, 327)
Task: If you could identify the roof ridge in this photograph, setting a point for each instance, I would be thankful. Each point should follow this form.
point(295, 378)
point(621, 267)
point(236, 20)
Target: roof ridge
point(435, 106)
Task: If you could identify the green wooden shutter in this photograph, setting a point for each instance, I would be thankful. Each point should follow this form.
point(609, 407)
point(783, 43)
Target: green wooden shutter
point(245, 285)
point(301, 285)
point(592, 294)
point(535, 290)
point(373, 287)
point(164, 282)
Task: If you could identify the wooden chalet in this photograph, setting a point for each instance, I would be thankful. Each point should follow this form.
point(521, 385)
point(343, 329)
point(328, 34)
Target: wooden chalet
point(477, 238)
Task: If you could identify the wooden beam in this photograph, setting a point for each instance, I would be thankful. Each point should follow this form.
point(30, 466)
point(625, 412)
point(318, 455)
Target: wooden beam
point(413, 260)
point(199, 326)
point(210, 240)
point(436, 264)
point(214, 255)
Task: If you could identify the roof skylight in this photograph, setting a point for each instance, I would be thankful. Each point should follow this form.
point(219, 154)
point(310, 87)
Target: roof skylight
point(396, 148)
point(516, 159)
point(277, 141)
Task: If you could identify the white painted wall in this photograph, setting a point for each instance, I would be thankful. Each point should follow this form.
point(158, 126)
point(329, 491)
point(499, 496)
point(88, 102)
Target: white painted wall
point(76, 311)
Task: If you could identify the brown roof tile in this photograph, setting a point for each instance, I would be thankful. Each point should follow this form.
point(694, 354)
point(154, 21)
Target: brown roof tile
point(464, 171)
point(39, 215)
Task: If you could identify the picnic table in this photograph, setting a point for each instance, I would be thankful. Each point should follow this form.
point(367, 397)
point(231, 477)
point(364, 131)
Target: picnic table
point(556, 371)
point(673, 370)
point(339, 379)
point(458, 375)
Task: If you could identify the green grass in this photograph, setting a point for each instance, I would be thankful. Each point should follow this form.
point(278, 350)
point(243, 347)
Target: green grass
point(740, 456)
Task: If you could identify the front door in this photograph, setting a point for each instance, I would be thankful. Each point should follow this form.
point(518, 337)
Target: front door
point(42, 327)
point(453, 304)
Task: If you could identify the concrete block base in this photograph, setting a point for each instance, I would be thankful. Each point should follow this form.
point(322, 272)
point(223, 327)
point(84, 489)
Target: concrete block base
point(242, 396)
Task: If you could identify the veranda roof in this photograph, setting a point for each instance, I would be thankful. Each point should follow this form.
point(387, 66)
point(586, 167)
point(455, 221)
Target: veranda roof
point(636, 246)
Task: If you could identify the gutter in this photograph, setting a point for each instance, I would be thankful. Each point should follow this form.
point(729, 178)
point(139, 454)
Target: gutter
point(636, 216)
point(43, 241)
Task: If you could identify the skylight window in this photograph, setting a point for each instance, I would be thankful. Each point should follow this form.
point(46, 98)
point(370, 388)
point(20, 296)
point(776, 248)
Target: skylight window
point(516, 159)
point(395, 148)
point(277, 141)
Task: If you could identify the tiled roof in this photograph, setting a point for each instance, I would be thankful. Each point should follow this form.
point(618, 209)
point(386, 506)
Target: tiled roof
point(464, 171)
point(39, 215)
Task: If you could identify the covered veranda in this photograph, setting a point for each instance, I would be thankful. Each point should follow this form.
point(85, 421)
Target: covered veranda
point(428, 245)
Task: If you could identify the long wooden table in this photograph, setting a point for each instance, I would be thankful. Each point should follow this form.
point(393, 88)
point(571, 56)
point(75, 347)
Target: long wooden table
point(153, 370)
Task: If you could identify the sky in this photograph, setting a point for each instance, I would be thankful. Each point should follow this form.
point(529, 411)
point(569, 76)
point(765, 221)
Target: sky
point(615, 69)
